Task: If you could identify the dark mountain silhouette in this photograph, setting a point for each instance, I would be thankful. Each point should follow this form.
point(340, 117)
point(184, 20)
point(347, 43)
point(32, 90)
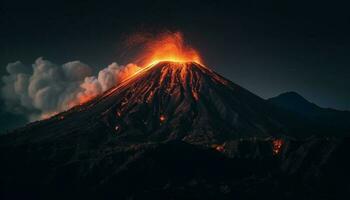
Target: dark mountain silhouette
point(329, 119)
point(296, 103)
point(174, 131)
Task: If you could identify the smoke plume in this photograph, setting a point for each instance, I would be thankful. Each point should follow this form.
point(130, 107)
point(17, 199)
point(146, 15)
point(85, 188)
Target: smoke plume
point(46, 88)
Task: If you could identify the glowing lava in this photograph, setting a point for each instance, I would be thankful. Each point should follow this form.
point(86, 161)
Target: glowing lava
point(164, 47)
point(162, 118)
point(276, 146)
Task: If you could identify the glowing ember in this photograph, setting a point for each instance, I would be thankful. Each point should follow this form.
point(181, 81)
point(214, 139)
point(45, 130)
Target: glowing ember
point(276, 146)
point(218, 147)
point(162, 118)
point(164, 47)
point(48, 115)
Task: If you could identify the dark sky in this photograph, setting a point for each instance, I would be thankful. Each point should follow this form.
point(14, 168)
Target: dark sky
point(268, 47)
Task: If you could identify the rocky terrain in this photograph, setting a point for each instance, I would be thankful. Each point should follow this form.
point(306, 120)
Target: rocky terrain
point(174, 131)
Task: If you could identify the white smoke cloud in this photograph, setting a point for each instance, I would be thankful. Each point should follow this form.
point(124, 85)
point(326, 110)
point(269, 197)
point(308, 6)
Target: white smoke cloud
point(47, 88)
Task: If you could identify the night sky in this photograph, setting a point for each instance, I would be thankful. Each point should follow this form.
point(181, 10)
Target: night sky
point(267, 47)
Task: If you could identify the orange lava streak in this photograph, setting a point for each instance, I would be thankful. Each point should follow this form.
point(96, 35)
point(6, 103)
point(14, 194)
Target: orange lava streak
point(162, 118)
point(163, 47)
point(276, 146)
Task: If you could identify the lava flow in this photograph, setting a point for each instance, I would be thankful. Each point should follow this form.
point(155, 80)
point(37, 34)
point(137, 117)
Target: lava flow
point(276, 146)
point(168, 47)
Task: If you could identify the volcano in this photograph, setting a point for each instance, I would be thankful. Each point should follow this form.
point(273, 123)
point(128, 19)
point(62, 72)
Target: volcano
point(184, 101)
point(173, 100)
point(173, 130)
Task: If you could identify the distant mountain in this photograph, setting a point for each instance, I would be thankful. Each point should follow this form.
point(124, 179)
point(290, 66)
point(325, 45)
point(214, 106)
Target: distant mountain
point(295, 102)
point(331, 120)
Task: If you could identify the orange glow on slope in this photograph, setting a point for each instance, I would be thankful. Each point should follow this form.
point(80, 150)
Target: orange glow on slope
point(163, 47)
point(128, 71)
point(47, 115)
point(218, 147)
point(167, 46)
point(276, 146)
point(162, 118)
point(91, 92)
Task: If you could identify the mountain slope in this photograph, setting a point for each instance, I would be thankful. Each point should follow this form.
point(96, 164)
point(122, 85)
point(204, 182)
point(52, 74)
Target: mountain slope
point(296, 103)
point(173, 131)
point(171, 101)
point(330, 120)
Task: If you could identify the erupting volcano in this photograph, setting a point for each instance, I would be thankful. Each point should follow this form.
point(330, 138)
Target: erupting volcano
point(174, 96)
point(175, 128)
point(173, 100)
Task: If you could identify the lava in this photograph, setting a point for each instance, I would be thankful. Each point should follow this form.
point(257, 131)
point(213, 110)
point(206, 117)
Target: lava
point(167, 46)
point(162, 118)
point(276, 146)
point(218, 147)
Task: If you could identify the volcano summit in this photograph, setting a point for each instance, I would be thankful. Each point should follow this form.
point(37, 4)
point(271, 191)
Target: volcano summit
point(172, 130)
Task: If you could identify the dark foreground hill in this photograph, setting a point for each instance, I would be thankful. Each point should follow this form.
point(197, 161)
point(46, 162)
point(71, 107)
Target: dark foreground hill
point(246, 169)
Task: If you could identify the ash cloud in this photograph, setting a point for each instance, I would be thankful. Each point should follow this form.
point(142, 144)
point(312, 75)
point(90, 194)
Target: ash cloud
point(46, 88)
